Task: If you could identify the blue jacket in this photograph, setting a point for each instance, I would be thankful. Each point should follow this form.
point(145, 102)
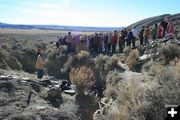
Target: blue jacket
point(130, 36)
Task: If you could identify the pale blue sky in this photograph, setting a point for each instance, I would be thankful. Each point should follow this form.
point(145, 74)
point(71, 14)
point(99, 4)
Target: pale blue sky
point(106, 13)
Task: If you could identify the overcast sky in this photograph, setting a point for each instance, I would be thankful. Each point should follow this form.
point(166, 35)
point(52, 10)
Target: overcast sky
point(104, 13)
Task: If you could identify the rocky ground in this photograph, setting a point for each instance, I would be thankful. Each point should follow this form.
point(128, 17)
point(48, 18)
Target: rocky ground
point(23, 99)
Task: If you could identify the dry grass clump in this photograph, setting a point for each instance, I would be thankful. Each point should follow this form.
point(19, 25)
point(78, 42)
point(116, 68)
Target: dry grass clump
point(112, 80)
point(83, 77)
point(101, 60)
point(111, 63)
point(177, 68)
point(69, 64)
point(127, 50)
point(41, 44)
point(104, 64)
point(169, 52)
point(13, 63)
point(100, 64)
point(132, 59)
point(76, 61)
point(63, 49)
point(27, 58)
point(83, 55)
point(155, 69)
point(8, 61)
point(2, 54)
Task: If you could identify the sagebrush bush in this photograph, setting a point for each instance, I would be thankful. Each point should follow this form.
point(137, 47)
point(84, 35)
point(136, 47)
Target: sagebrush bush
point(4, 46)
point(177, 68)
point(41, 45)
point(16, 46)
point(101, 60)
point(112, 79)
point(56, 59)
point(100, 64)
point(169, 52)
point(155, 69)
point(69, 64)
point(83, 55)
point(27, 58)
point(3, 56)
point(112, 63)
point(83, 77)
point(13, 63)
point(132, 59)
point(105, 64)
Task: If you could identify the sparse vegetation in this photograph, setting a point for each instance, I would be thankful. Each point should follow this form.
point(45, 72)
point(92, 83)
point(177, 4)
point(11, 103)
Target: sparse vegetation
point(104, 64)
point(169, 52)
point(155, 69)
point(111, 63)
point(83, 55)
point(13, 63)
point(132, 59)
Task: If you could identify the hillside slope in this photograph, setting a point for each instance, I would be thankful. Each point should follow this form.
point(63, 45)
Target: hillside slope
point(152, 20)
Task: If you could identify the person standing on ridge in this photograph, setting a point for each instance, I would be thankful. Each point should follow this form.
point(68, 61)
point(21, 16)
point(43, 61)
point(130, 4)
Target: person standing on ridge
point(141, 37)
point(57, 43)
point(154, 32)
point(69, 41)
point(124, 36)
point(160, 31)
point(121, 42)
point(135, 34)
point(114, 41)
point(109, 41)
point(170, 29)
point(164, 24)
point(146, 35)
point(106, 43)
point(129, 37)
point(96, 43)
point(101, 39)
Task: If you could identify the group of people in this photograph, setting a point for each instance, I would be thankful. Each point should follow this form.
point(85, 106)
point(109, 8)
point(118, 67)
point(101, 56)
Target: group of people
point(107, 42)
point(158, 31)
point(95, 43)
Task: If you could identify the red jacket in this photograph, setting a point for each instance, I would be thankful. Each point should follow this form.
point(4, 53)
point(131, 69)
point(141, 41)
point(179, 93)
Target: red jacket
point(160, 32)
point(170, 28)
point(114, 38)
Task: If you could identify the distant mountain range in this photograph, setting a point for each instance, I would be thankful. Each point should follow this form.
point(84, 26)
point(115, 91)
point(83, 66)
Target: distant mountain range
point(58, 27)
